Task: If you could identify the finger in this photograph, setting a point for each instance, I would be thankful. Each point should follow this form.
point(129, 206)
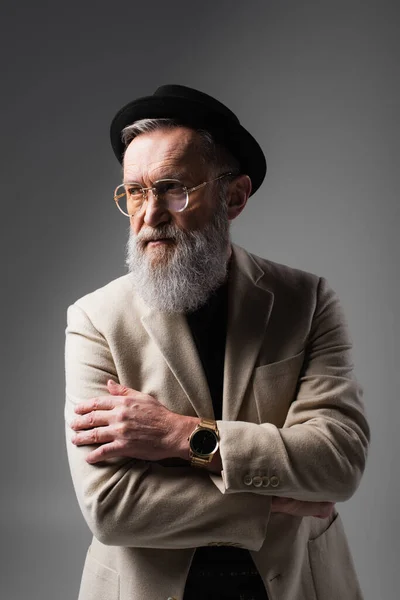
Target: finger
point(301, 508)
point(304, 509)
point(101, 403)
point(279, 500)
point(96, 418)
point(116, 389)
point(98, 435)
point(326, 510)
point(313, 509)
point(105, 451)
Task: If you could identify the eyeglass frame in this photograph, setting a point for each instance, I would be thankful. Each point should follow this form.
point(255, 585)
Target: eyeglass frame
point(146, 190)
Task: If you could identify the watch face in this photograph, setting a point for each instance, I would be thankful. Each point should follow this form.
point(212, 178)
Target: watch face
point(204, 442)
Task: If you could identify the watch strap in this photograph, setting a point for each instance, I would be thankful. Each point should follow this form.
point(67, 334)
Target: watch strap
point(208, 424)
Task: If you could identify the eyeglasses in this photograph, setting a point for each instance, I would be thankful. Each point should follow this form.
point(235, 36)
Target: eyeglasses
point(130, 197)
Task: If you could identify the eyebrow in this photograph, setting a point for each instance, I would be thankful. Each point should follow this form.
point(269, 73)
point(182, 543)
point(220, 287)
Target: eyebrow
point(179, 174)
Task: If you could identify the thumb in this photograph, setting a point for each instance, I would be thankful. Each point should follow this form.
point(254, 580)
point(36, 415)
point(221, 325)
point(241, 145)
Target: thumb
point(116, 389)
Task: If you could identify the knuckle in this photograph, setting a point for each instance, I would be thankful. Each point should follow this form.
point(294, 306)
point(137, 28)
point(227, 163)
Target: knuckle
point(120, 445)
point(122, 429)
point(123, 415)
point(126, 401)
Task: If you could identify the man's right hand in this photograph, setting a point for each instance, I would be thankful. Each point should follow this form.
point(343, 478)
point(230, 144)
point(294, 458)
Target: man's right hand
point(301, 508)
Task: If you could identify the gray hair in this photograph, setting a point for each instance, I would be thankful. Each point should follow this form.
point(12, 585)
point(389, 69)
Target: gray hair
point(211, 153)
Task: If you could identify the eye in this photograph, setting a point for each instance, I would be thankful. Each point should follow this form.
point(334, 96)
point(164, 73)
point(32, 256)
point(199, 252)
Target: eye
point(164, 187)
point(134, 191)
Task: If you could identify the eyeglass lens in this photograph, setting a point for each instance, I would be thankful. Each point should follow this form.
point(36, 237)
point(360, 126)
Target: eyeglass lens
point(171, 193)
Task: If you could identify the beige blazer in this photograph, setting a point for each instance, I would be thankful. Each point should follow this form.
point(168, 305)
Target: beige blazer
point(293, 425)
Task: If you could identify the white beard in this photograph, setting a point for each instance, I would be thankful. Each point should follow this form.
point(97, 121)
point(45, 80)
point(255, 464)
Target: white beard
point(180, 278)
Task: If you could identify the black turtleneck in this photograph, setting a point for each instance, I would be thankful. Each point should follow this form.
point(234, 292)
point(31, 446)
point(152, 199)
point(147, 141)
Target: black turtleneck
point(208, 325)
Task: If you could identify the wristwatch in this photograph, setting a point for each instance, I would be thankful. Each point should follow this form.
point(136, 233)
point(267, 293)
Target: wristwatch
point(203, 443)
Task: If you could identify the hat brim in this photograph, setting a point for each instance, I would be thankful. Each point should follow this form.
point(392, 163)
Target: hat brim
point(194, 114)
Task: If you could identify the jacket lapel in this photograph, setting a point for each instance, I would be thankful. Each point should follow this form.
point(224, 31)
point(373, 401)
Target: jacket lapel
point(172, 335)
point(250, 305)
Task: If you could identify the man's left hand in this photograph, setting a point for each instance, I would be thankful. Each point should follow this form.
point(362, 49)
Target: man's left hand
point(131, 424)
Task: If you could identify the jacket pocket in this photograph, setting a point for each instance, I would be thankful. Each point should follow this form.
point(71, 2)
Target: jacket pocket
point(274, 387)
point(332, 565)
point(98, 581)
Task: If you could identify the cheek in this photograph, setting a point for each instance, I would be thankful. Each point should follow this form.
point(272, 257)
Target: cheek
point(136, 224)
point(189, 222)
point(196, 217)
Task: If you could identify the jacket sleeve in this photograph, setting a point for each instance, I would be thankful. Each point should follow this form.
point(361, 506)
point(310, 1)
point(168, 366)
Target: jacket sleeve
point(320, 452)
point(128, 502)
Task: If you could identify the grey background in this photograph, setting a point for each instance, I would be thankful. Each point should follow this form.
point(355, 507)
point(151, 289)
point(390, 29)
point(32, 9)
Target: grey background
point(317, 83)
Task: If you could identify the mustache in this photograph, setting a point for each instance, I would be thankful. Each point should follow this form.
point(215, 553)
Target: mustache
point(162, 232)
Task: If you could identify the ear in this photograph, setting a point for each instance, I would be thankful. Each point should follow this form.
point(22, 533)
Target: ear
point(237, 196)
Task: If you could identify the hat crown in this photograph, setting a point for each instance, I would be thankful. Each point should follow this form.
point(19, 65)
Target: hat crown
point(187, 93)
point(198, 110)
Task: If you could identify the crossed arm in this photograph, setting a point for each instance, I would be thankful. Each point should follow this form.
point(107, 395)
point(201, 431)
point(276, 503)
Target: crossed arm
point(127, 423)
point(129, 498)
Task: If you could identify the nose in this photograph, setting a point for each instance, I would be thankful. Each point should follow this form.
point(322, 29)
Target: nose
point(155, 212)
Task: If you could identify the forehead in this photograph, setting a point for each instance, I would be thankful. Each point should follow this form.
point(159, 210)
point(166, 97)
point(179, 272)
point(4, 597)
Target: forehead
point(161, 153)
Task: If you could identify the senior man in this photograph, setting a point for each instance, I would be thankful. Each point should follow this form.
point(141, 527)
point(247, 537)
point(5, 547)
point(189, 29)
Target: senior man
point(213, 419)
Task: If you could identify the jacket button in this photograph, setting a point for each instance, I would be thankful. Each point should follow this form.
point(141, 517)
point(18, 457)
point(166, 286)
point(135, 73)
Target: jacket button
point(274, 481)
point(248, 480)
point(257, 481)
point(265, 481)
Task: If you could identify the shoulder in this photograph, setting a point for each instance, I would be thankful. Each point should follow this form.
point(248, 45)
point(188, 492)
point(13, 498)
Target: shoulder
point(110, 302)
point(298, 297)
point(294, 290)
point(275, 275)
point(112, 293)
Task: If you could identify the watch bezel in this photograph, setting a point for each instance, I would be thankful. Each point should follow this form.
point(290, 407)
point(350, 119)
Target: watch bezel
point(198, 431)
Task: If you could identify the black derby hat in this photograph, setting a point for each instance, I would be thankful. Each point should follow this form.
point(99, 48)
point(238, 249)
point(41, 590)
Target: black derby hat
point(200, 111)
